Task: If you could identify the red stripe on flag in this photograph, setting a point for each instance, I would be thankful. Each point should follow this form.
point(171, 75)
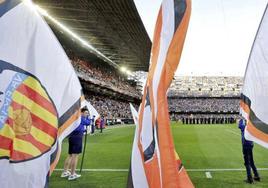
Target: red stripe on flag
point(9, 122)
point(5, 143)
point(16, 106)
point(36, 97)
point(29, 138)
point(44, 126)
point(19, 156)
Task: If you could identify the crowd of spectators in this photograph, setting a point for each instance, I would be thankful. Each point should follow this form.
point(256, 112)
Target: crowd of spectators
point(110, 108)
point(106, 75)
point(203, 95)
point(212, 110)
point(203, 104)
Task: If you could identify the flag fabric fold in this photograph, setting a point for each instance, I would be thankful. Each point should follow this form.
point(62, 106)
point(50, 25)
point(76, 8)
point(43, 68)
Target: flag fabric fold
point(139, 178)
point(134, 114)
point(39, 96)
point(154, 162)
point(91, 109)
point(253, 103)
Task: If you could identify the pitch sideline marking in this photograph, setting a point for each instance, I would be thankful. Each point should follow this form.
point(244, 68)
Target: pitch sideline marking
point(189, 170)
point(208, 175)
point(99, 170)
point(232, 132)
point(119, 126)
point(222, 169)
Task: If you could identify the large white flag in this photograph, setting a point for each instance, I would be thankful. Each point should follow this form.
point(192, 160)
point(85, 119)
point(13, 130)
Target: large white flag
point(254, 97)
point(39, 97)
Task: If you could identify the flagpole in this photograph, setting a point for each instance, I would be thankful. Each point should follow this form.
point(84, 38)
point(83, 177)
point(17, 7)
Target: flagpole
point(83, 155)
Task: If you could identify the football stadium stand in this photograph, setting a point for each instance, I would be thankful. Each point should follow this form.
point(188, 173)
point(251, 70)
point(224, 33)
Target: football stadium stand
point(119, 38)
point(206, 86)
point(205, 99)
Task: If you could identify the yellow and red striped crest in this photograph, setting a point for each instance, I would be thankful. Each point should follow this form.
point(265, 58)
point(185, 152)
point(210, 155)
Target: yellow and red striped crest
point(28, 119)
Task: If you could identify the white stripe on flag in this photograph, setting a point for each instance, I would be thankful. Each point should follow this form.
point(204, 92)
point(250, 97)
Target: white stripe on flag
point(165, 40)
point(139, 177)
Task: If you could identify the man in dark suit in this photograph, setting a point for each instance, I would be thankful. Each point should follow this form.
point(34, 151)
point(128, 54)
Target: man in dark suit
point(247, 147)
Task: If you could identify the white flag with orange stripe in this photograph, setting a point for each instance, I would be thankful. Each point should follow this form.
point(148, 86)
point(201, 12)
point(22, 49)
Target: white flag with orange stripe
point(39, 96)
point(254, 97)
point(154, 162)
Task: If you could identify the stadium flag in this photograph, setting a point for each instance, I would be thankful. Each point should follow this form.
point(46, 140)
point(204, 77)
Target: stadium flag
point(254, 97)
point(92, 112)
point(91, 109)
point(39, 97)
point(154, 162)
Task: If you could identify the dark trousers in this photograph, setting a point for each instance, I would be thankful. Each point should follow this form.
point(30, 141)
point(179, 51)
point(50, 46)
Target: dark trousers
point(249, 162)
point(92, 129)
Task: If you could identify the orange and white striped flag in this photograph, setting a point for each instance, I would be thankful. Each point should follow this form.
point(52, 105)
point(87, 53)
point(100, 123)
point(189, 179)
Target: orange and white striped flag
point(154, 162)
point(254, 97)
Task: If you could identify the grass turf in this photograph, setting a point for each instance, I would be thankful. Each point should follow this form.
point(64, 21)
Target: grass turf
point(199, 146)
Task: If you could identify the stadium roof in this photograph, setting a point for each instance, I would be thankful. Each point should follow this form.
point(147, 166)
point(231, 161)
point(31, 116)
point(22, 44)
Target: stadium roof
point(113, 27)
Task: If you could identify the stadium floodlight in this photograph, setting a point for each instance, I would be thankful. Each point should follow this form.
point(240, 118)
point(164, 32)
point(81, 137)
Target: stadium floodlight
point(44, 13)
point(126, 71)
point(74, 36)
point(34, 7)
point(129, 73)
point(123, 69)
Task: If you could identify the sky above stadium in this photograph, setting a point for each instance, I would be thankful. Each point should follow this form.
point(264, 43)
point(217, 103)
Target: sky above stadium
point(219, 38)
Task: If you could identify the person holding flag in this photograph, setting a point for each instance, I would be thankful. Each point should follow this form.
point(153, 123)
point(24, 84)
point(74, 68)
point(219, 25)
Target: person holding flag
point(247, 147)
point(75, 146)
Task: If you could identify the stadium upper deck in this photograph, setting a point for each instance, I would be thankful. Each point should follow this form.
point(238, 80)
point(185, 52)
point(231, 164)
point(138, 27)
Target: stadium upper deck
point(205, 86)
point(113, 27)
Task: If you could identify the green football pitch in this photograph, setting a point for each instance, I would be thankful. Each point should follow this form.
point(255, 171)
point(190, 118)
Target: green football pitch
point(214, 149)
